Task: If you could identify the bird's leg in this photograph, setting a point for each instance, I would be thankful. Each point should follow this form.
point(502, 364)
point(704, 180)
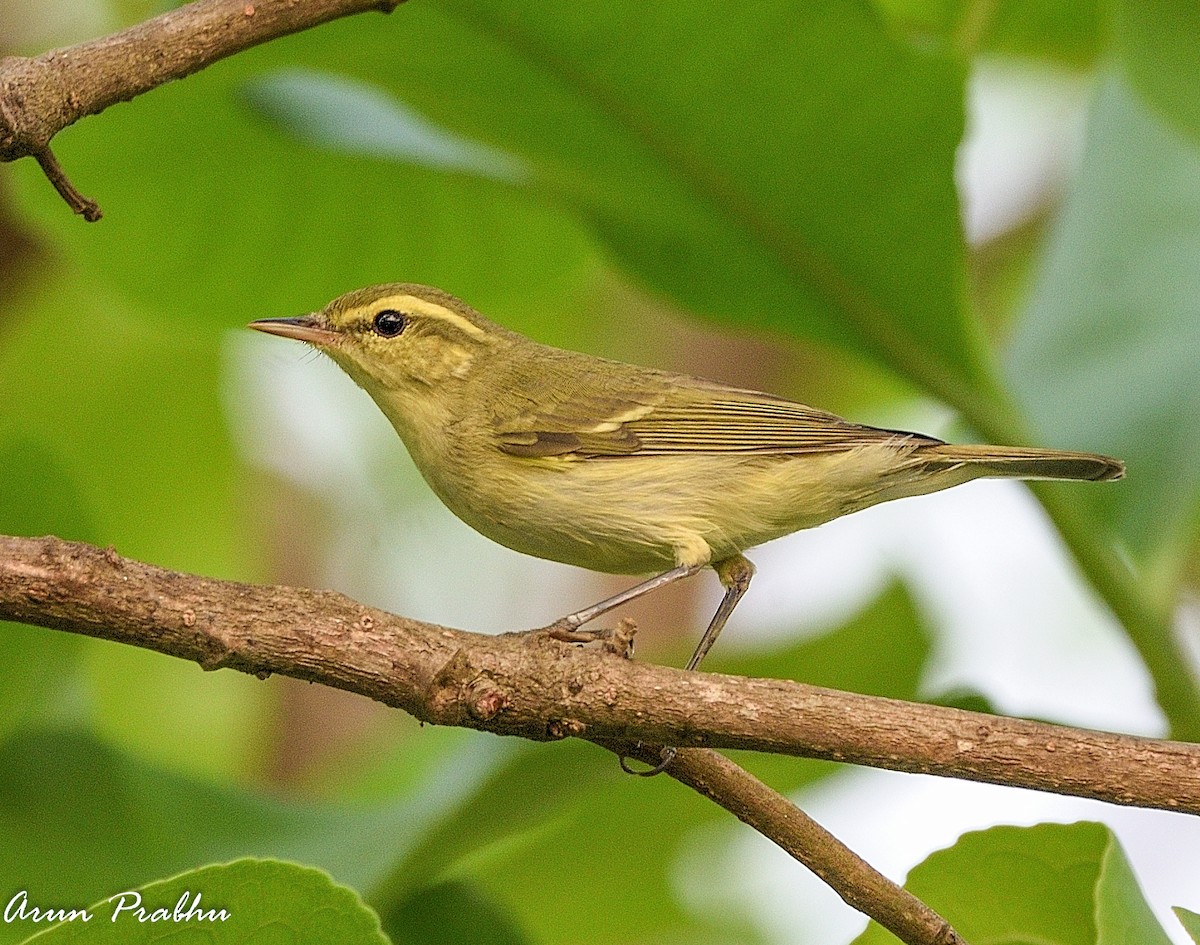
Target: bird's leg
point(567, 628)
point(735, 574)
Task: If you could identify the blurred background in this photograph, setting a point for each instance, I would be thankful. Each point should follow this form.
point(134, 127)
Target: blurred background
point(976, 219)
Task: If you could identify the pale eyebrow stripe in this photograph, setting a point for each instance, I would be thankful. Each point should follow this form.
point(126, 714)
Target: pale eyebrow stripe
point(419, 306)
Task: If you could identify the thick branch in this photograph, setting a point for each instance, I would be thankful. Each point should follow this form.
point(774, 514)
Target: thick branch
point(535, 687)
point(42, 95)
point(437, 674)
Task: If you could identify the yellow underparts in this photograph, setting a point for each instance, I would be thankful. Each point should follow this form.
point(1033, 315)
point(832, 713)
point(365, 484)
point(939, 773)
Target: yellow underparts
point(639, 514)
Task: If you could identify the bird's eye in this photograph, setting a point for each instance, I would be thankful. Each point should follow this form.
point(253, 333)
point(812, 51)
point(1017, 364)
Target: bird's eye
point(390, 323)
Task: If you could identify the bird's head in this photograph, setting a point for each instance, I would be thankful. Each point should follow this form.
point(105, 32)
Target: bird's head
point(395, 339)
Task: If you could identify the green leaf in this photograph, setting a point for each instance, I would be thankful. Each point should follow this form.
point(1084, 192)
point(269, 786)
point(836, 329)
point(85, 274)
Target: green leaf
point(927, 20)
point(37, 666)
point(1107, 354)
point(1190, 921)
point(130, 410)
point(1158, 43)
point(847, 657)
point(797, 175)
point(1123, 917)
point(39, 495)
point(1054, 884)
point(80, 820)
point(247, 901)
point(1072, 32)
point(213, 217)
point(450, 914)
point(335, 112)
point(556, 811)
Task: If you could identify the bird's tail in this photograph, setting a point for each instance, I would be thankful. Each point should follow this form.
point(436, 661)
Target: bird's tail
point(1017, 462)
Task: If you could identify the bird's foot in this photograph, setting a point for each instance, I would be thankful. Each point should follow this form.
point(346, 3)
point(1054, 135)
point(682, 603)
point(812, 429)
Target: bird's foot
point(666, 756)
point(618, 639)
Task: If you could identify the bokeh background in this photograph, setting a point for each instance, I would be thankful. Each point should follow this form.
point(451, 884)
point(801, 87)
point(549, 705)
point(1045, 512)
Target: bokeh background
point(979, 219)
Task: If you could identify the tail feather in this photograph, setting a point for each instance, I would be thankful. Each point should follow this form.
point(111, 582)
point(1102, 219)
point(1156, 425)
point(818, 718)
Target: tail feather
point(1016, 462)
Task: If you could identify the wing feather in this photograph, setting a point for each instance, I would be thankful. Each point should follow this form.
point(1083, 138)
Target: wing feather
point(745, 422)
point(686, 416)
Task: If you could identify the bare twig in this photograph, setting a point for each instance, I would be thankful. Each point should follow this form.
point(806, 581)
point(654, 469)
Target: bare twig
point(42, 95)
point(84, 206)
point(858, 883)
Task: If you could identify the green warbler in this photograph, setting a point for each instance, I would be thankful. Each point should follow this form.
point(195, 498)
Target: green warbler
point(618, 468)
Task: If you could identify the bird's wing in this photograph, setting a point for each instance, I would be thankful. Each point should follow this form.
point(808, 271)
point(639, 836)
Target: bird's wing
point(583, 424)
point(690, 417)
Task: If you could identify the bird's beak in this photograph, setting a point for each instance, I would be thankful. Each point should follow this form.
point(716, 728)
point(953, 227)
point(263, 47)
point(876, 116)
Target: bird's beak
point(303, 328)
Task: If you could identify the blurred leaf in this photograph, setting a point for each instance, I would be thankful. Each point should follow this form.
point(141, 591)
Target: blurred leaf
point(130, 410)
point(557, 811)
point(797, 175)
point(221, 219)
point(1001, 272)
point(1071, 32)
point(1107, 355)
point(1159, 45)
point(969, 700)
point(264, 900)
point(334, 112)
point(1056, 884)
point(1190, 921)
point(80, 820)
point(177, 714)
point(38, 664)
point(450, 914)
point(528, 811)
point(846, 659)
point(37, 497)
point(935, 20)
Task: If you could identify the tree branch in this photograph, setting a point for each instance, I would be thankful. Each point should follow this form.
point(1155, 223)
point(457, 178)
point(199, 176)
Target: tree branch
point(521, 683)
point(530, 685)
point(859, 884)
point(535, 687)
point(42, 95)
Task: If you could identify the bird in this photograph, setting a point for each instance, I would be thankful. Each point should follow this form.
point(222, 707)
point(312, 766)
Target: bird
point(620, 468)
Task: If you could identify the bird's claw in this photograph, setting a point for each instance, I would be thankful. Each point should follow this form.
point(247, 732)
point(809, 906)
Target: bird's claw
point(666, 756)
point(618, 639)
